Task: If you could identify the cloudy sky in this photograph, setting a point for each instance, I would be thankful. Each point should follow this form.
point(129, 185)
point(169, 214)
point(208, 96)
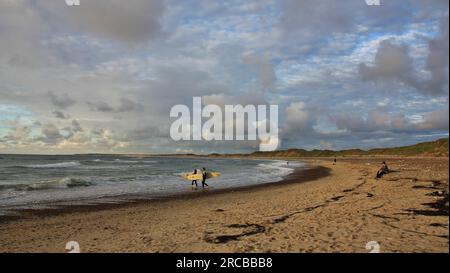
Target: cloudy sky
point(102, 76)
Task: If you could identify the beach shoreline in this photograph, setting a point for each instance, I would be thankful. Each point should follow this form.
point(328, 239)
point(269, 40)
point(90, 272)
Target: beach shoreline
point(299, 175)
point(337, 208)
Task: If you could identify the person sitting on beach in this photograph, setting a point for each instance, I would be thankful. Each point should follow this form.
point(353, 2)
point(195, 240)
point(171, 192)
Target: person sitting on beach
point(204, 178)
point(194, 181)
point(383, 170)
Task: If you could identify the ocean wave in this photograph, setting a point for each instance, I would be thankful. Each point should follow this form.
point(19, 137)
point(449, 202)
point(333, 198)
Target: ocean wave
point(275, 165)
point(134, 161)
point(125, 161)
point(53, 165)
point(150, 161)
point(67, 182)
point(75, 182)
point(278, 169)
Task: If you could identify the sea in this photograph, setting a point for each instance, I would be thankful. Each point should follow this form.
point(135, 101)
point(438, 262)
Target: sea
point(48, 181)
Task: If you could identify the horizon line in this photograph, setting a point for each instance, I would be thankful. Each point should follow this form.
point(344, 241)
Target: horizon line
point(215, 153)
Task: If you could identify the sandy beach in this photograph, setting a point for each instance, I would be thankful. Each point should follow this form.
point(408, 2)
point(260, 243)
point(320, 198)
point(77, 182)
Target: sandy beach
point(333, 208)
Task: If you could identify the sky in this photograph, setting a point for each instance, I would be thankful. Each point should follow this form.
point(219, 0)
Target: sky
point(102, 77)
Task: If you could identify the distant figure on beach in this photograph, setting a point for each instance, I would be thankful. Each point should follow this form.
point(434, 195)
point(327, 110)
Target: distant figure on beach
point(334, 161)
point(194, 182)
point(383, 170)
point(204, 178)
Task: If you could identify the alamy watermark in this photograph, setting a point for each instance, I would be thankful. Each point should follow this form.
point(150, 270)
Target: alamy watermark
point(373, 247)
point(373, 2)
point(72, 2)
point(240, 122)
point(73, 247)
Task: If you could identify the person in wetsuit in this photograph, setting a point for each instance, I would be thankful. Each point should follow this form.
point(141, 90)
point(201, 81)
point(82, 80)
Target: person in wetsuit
point(194, 182)
point(204, 178)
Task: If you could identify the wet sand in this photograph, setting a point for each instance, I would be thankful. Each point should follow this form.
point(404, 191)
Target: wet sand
point(331, 208)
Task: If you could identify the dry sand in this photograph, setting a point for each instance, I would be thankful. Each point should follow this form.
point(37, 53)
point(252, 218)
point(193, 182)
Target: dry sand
point(342, 212)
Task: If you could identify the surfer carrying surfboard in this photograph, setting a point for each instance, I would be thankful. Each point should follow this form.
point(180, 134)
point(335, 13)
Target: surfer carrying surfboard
point(204, 178)
point(200, 174)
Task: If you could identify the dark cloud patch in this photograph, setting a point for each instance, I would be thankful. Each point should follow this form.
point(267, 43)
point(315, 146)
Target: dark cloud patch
point(177, 85)
point(394, 63)
point(378, 121)
point(125, 105)
point(308, 21)
point(62, 101)
point(76, 127)
point(60, 115)
point(20, 61)
point(72, 129)
point(134, 22)
point(264, 69)
point(100, 106)
point(96, 131)
point(436, 120)
point(374, 121)
point(50, 134)
point(438, 61)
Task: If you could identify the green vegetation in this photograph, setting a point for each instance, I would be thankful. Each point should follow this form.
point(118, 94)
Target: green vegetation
point(434, 148)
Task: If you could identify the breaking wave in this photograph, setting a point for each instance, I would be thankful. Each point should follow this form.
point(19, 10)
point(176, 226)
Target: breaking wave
point(67, 182)
point(69, 164)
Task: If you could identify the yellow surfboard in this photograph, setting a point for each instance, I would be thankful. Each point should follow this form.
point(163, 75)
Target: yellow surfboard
point(199, 176)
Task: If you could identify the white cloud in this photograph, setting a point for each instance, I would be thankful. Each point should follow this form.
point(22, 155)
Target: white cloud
point(297, 117)
point(117, 69)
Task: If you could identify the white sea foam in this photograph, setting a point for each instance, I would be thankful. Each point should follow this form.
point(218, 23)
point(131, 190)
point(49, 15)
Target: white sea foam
point(66, 182)
point(55, 165)
point(84, 179)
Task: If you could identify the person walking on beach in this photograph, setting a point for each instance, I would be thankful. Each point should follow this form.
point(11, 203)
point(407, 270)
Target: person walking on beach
point(194, 182)
point(204, 178)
